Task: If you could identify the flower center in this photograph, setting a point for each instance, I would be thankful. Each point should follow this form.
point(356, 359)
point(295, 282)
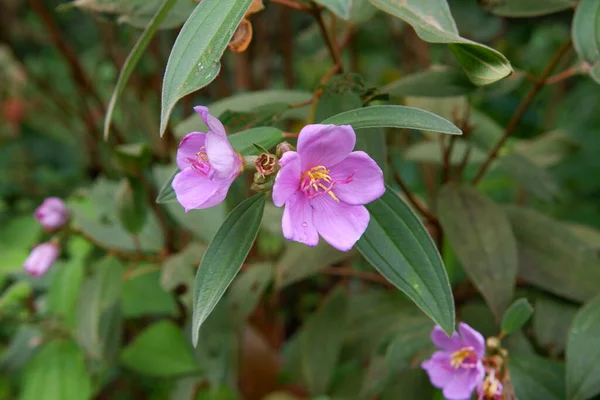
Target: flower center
point(464, 358)
point(491, 386)
point(200, 163)
point(317, 181)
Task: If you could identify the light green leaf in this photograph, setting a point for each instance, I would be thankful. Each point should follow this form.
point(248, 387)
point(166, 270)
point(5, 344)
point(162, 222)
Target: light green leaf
point(160, 350)
point(480, 235)
point(437, 82)
point(144, 283)
point(57, 372)
point(393, 117)
point(195, 58)
point(399, 247)
point(545, 247)
point(134, 57)
point(247, 289)
point(527, 8)
point(583, 353)
point(166, 193)
point(586, 35)
point(432, 21)
point(266, 136)
point(516, 316)
point(224, 257)
point(534, 377)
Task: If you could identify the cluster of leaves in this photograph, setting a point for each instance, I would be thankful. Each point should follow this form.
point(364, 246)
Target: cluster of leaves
point(491, 174)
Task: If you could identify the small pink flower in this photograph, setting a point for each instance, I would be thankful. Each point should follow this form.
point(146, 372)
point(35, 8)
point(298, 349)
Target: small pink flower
point(41, 259)
point(208, 165)
point(457, 368)
point(324, 186)
point(52, 213)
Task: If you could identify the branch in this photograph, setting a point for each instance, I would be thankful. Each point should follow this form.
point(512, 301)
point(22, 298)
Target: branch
point(514, 121)
point(317, 12)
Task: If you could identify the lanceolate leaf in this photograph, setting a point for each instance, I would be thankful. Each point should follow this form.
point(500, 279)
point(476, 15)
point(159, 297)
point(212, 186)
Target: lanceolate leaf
point(133, 58)
point(481, 236)
point(224, 257)
point(440, 82)
point(194, 60)
point(583, 353)
point(586, 35)
point(399, 247)
point(516, 316)
point(393, 117)
point(433, 22)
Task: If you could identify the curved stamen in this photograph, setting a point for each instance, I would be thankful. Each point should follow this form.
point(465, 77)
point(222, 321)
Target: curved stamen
point(317, 181)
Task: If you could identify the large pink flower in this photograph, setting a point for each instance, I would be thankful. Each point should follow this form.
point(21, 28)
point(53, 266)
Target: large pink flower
point(208, 165)
point(324, 186)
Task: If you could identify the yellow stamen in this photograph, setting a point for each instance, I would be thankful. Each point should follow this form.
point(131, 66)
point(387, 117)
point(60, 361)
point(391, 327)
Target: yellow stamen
point(316, 176)
point(459, 356)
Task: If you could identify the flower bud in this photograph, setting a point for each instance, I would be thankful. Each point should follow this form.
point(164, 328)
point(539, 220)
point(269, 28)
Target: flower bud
point(266, 164)
point(41, 259)
point(282, 148)
point(52, 213)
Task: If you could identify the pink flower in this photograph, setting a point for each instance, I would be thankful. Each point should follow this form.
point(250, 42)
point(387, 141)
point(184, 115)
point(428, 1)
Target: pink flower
point(41, 259)
point(208, 165)
point(457, 368)
point(52, 213)
point(324, 185)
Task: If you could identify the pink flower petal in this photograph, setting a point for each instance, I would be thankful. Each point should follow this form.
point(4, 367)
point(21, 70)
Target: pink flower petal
point(359, 179)
point(52, 213)
point(324, 145)
point(340, 224)
point(41, 259)
point(463, 383)
point(222, 158)
point(297, 223)
point(195, 190)
point(439, 369)
point(191, 144)
point(441, 339)
point(470, 337)
point(213, 123)
point(287, 180)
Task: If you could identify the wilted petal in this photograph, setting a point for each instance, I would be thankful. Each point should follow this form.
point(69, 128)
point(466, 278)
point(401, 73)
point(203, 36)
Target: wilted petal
point(195, 190)
point(222, 158)
point(41, 259)
point(463, 383)
point(340, 224)
point(213, 123)
point(324, 145)
point(297, 223)
point(359, 180)
point(471, 338)
point(441, 339)
point(287, 180)
point(190, 145)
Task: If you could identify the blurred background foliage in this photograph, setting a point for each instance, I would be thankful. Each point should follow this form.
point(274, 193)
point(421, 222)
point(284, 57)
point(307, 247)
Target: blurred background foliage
point(111, 320)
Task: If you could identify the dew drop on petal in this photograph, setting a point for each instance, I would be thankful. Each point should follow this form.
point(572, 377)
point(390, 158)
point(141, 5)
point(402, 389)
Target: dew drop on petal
point(304, 224)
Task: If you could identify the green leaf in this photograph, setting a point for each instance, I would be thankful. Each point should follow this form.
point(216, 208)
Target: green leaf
point(551, 322)
point(321, 341)
point(545, 247)
point(586, 35)
point(534, 180)
point(131, 205)
point(247, 289)
point(527, 8)
point(394, 117)
point(534, 377)
point(480, 235)
point(144, 283)
point(133, 58)
point(224, 257)
point(429, 151)
point(160, 350)
point(57, 372)
point(341, 8)
point(195, 58)
point(266, 136)
point(438, 82)
point(399, 247)
point(583, 353)
point(432, 21)
point(166, 193)
point(516, 316)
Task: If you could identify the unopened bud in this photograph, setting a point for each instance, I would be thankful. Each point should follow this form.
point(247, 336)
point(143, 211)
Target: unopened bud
point(282, 148)
point(266, 164)
point(493, 344)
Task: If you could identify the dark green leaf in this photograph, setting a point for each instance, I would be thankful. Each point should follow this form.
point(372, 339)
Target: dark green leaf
point(534, 377)
point(394, 117)
point(160, 350)
point(433, 22)
point(57, 372)
point(439, 82)
point(552, 257)
point(583, 353)
point(399, 247)
point(133, 58)
point(527, 8)
point(481, 237)
point(195, 58)
point(516, 316)
point(224, 257)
